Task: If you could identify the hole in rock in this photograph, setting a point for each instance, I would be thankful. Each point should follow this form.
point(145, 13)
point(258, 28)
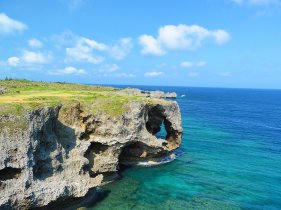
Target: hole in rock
point(156, 123)
point(138, 152)
point(162, 134)
point(9, 173)
point(98, 148)
point(134, 152)
point(94, 149)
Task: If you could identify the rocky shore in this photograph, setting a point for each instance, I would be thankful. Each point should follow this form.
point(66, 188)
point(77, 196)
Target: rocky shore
point(151, 94)
point(64, 151)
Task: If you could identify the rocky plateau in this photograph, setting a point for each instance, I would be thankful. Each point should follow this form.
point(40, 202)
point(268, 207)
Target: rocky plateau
point(62, 152)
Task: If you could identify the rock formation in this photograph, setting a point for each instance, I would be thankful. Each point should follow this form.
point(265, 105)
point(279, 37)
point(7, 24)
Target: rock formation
point(2, 90)
point(61, 152)
point(151, 94)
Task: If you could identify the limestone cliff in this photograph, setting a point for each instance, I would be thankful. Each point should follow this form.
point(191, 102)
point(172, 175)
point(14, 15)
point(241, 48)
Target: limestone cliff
point(59, 152)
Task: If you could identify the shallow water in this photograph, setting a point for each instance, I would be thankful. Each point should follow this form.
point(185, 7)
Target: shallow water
point(230, 156)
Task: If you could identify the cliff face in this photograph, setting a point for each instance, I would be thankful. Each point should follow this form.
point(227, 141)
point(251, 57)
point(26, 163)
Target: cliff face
point(62, 152)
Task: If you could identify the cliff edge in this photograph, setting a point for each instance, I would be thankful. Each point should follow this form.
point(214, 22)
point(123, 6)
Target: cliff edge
point(58, 141)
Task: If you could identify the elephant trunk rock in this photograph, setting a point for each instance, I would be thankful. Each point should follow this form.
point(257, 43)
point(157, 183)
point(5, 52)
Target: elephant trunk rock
point(63, 152)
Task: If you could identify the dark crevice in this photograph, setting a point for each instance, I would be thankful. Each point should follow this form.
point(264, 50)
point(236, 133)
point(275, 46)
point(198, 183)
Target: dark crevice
point(134, 150)
point(137, 151)
point(46, 143)
point(110, 176)
point(169, 129)
point(94, 149)
point(155, 119)
point(43, 169)
point(9, 173)
point(98, 148)
point(65, 136)
point(156, 122)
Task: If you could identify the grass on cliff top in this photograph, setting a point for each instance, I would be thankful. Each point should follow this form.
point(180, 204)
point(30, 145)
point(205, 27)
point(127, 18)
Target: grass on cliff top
point(23, 95)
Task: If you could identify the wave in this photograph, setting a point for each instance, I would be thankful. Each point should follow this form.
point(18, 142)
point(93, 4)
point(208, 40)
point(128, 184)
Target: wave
point(157, 162)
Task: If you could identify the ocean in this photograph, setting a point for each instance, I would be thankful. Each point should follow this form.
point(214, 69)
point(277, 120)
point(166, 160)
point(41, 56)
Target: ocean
point(230, 157)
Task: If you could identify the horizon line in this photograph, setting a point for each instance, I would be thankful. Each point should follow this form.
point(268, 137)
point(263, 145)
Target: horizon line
point(148, 85)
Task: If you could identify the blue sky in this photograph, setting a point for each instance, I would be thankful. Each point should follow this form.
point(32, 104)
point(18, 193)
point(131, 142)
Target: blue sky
point(206, 43)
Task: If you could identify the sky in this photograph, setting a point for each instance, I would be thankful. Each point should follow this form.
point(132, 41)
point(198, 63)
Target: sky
point(206, 43)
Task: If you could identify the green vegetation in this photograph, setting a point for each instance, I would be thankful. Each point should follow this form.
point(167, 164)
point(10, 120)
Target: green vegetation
point(19, 123)
point(20, 96)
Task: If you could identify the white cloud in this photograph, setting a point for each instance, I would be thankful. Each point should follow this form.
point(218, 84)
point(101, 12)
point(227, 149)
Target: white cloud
point(86, 50)
point(258, 2)
point(64, 39)
point(35, 43)
point(150, 45)
point(125, 75)
point(189, 64)
point(35, 57)
point(221, 36)
point(180, 37)
point(192, 74)
point(121, 49)
point(68, 70)
point(92, 43)
point(28, 58)
point(153, 73)
point(9, 26)
point(83, 51)
point(13, 61)
point(108, 68)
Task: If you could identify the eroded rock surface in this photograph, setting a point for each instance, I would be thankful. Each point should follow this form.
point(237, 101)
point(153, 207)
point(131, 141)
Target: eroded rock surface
point(2, 90)
point(151, 94)
point(64, 152)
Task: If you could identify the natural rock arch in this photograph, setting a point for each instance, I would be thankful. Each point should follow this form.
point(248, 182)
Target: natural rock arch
point(157, 120)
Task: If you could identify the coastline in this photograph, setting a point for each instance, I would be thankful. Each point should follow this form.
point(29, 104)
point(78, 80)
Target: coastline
point(74, 143)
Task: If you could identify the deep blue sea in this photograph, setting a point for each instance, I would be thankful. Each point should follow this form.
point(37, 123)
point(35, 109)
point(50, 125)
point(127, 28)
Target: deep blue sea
point(230, 156)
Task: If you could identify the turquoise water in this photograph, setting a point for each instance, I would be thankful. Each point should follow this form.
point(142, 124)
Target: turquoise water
point(230, 156)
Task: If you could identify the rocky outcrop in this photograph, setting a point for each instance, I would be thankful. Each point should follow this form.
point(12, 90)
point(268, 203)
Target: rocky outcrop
point(64, 152)
point(151, 94)
point(2, 90)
